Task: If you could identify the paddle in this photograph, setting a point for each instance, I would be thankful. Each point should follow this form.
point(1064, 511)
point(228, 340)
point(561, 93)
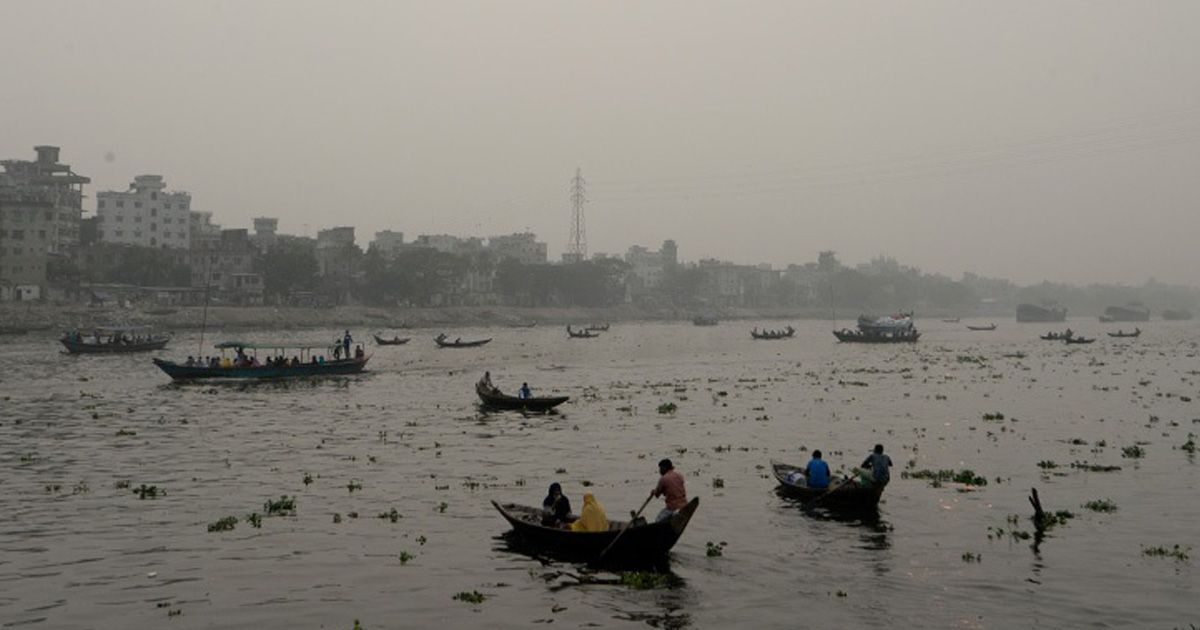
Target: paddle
point(622, 532)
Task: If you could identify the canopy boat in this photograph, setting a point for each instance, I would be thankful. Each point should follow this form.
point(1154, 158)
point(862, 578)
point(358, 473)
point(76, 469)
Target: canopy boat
point(305, 364)
point(988, 327)
point(114, 340)
point(877, 336)
point(444, 342)
point(705, 320)
point(889, 323)
point(844, 494)
point(581, 334)
point(492, 398)
point(786, 333)
point(1120, 333)
point(597, 328)
point(1074, 339)
point(643, 542)
point(394, 341)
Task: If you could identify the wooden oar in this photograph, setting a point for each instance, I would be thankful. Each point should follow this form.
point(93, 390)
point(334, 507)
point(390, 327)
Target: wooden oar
point(622, 532)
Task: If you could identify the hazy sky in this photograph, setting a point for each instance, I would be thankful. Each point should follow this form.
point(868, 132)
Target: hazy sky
point(1028, 140)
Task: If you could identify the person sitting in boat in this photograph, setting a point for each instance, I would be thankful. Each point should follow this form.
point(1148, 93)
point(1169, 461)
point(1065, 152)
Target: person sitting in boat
point(671, 488)
point(254, 362)
point(591, 517)
point(556, 507)
point(190, 362)
point(816, 473)
point(321, 360)
point(878, 464)
point(358, 352)
point(524, 393)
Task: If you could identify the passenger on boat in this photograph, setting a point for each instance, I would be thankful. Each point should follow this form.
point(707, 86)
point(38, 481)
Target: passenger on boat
point(525, 393)
point(358, 352)
point(878, 464)
point(556, 508)
point(191, 362)
point(816, 473)
point(321, 360)
point(346, 341)
point(254, 362)
point(670, 486)
point(591, 517)
point(337, 352)
point(314, 359)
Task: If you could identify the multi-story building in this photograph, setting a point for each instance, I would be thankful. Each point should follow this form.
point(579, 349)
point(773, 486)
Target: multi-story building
point(201, 230)
point(522, 247)
point(225, 266)
point(450, 244)
point(146, 215)
point(388, 243)
point(41, 203)
point(266, 233)
point(647, 268)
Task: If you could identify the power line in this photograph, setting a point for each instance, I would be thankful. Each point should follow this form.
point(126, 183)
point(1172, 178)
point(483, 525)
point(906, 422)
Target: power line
point(577, 242)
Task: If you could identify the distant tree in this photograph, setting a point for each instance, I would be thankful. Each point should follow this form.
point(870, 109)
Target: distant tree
point(288, 267)
point(147, 267)
point(827, 262)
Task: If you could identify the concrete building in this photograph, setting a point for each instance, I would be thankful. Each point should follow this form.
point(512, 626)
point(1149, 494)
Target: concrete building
point(146, 215)
point(41, 204)
point(522, 247)
point(226, 266)
point(450, 244)
point(201, 230)
point(388, 243)
point(266, 233)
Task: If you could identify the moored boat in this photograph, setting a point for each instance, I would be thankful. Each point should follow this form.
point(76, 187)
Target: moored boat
point(1133, 312)
point(786, 333)
point(1176, 314)
point(114, 340)
point(642, 543)
point(597, 328)
point(444, 342)
point(846, 335)
point(1079, 340)
point(844, 494)
point(491, 397)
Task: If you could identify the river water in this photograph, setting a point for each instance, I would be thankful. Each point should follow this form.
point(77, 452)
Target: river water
point(80, 549)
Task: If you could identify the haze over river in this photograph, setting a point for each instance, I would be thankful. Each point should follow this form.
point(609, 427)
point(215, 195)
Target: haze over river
point(79, 549)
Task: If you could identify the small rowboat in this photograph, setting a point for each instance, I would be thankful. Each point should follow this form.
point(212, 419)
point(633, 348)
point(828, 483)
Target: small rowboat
point(642, 544)
point(444, 342)
point(581, 334)
point(1122, 334)
point(1053, 336)
point(1079, 339)
point(847, 495)
point(493, 398)
point(988, 327)
point(394, 341)
point(786, 333)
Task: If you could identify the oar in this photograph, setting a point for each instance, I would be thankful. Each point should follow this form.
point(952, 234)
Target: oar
point(622, 532)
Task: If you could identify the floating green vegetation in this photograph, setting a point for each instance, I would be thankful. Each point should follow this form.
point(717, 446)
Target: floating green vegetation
point(668, 407)
point(718, 482)
point(993, 417)
point(647, 580)
point(995, 533)
point(308, 479)
point(1094, 467)
point(125, 432)
point(1133, 452)
point(1047, 464)
point(560, 471)
point(1049, 520)
point(586, 483)
point(713, 550)
point(223, 525)
point(391, 515)
point(81, 488)
point(255, 520)
point(471, 597)
point(284, 506)
point(1180, 554)
point(354, 484)
point(1190, 445)
point(405, 557)
point(337, 518)
point(357, 626)
point(53, 487)
point(441, 508)
point(966, 358)
point(421, 540)
point(146, 492)
point(123, 484)
point(936, 477)
point(1101, 505)
point(970, 557)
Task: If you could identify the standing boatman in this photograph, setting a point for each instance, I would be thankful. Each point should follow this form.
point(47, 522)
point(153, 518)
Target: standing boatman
point(346, 341)
point(670, 487)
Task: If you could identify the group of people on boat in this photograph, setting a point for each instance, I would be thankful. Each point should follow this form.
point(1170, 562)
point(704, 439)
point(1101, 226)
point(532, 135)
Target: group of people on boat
point(875, 470)
point(243, 360)
point(114, 339)
point(556, 507)
point(525, 393)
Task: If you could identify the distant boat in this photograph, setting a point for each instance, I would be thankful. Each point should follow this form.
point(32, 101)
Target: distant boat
point(114, 340)
point(394, 341)
point(597, 328)
point(1053, 336)
point(1035, 313)
point(1137, 332)
point(1079, 339)
point(581, 334)
point(951, 320)
point(444, 342)
point(874, 336)
point(786, 333)
point(161, 311)
point(1130, 313)
point(523, 324)
point(705, 320)
point(988, 327)
point(1176, 314)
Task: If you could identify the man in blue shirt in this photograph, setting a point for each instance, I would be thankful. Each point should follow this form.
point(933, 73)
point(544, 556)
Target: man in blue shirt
point(816, 473)
point(525, 393)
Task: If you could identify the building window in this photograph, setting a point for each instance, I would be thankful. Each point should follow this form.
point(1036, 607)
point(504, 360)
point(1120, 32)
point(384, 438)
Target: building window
point(137, 219)
point(49, 216)
point(120, 218)
point(137, 233)
point(167, 205)
point(120, 233)
point(100, 203)
point(42, 234)
point(120, 203)
point(153, 227)
point(18, 235)
point(137, 204)
point(153, 241)
point(154, 196)
point(153, 212)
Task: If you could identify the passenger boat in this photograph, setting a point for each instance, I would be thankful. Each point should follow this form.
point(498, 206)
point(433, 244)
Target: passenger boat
point(1053, 336)
point(304, 367)
point(1079, 339)
point(786, 333)
point(846, 494)
point(444, 342)
point(846, 335)
point(1134, 312)
point(643, 543)
point(1122, 334)
point(114, 340)
point(705, 320)
point(492, 398)
point(597, 328)
point(988, 327)
point(581, 334)
point(394, 341)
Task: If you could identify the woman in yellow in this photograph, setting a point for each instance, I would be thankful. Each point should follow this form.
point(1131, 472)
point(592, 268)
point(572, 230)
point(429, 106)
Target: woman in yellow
point(591, 518)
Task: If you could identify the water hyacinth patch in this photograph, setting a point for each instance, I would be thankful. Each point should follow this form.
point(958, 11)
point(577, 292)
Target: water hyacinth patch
point(1133, 452)
point(224, 524)
point(284, 506)
point(647, 580)
point(471, 597)
point(713, 550)
point(1179, 554)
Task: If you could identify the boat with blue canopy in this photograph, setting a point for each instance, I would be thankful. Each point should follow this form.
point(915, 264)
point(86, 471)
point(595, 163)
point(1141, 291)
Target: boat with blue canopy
point(307, 360)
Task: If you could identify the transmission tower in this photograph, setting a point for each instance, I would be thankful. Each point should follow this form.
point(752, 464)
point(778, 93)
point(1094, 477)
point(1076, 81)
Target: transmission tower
point(577, 242)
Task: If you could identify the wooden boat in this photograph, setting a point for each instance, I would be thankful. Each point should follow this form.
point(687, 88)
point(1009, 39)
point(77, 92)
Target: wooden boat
point(860, 336)
point(1079, 339)
point(114, 340)
point(493, 398)
point(597, 328)
point(643, 543)
point(703, 320)
point(444, 342)
point(394, 341)
point(305, 368)
point(786, 333)
point(988, 327)
point(951, 320)
point(581, 334)
point(844, 495)
point(1122, 334)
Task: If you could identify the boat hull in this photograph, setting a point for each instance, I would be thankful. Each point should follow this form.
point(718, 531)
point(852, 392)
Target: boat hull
point(850, 496)
point(180, 372)
point(495, 400)
point(639, 546)
point(461, 344)
point(852, 336)
point(395, 341)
